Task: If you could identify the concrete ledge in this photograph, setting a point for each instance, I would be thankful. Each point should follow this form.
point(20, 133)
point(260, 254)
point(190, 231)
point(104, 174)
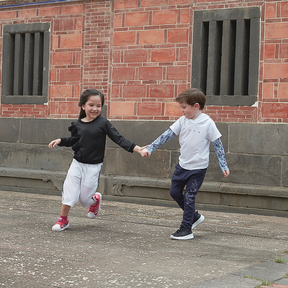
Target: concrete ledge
point(56, 177)
point(120, 181)
point(253, 190)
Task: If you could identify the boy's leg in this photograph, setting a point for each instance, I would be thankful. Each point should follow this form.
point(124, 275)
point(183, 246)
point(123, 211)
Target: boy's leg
point(193, 185)
point(178, 183)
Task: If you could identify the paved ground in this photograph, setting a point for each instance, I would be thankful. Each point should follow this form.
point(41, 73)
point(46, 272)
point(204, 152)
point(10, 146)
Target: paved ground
point(128, 245)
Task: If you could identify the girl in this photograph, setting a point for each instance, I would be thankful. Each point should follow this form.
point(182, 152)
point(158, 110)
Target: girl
point(88, 138)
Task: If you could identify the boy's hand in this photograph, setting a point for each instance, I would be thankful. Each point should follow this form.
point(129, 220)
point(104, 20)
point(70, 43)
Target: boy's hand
point(139, 149)
point(226, 173)
point(145, 153)
point(54, 143)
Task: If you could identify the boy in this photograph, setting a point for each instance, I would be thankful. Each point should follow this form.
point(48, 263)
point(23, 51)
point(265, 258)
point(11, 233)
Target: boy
point(196, 130)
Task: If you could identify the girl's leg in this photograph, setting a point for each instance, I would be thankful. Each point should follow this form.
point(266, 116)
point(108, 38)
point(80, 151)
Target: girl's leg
point(89, 184)
point(65, 210)
point(193, 185)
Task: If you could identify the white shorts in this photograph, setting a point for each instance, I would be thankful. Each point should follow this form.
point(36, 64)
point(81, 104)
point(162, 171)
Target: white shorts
point(81, 183)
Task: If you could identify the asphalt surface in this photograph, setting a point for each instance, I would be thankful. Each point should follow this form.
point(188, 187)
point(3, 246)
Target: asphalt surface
point(128, 245)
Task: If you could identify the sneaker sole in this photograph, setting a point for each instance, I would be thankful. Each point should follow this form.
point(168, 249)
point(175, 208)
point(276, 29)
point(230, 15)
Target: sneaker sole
point(187, 237)
point(58, 229)
point(91, 214)
point(200, 220)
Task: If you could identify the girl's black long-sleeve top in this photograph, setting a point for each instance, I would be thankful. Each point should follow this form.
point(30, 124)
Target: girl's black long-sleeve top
point(88, 140)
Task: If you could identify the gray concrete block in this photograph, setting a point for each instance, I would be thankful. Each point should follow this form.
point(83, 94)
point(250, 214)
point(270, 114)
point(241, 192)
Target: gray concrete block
point(261, 139)
point(9, 129)
point(120, 162)
point(254, 169)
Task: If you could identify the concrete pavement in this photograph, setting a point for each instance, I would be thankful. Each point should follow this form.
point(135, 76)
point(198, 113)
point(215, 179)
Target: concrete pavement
point(128, 245)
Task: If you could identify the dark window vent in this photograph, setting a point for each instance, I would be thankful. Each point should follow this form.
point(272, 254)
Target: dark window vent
point(225, 60)
point(25, 63)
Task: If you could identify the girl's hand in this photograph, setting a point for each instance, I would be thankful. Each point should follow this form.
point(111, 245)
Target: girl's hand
point(145, 153)
point(54, 143)
point(226, 173)
point(138, 149)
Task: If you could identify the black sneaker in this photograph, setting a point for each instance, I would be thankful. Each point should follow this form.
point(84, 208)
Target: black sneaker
point(199, 219)
point(182, 234)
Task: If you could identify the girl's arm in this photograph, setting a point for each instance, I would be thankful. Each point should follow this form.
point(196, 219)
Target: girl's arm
point(162, 139)
point(219, 149)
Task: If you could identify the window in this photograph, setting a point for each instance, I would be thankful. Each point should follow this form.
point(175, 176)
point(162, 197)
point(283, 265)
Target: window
point(225, 60)
point(25, 63)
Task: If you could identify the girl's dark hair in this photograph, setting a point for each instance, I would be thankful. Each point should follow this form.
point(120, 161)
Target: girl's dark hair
point(192, 96)
point(85, 97)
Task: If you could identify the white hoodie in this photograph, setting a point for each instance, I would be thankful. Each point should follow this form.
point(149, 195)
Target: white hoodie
point(194, 139)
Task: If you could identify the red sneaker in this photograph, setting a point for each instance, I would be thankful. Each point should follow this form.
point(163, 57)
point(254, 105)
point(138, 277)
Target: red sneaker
point(61, 225)
point(94, 210)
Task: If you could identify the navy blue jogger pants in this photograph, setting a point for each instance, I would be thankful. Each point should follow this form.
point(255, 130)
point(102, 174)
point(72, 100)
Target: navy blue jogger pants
point(193, 180)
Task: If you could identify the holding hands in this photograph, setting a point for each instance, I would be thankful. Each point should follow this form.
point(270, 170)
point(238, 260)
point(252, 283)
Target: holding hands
point(141, 150)
point(145, 153)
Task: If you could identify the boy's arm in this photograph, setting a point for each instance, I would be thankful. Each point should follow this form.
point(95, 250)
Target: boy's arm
point(219, 149)
point(162, 139)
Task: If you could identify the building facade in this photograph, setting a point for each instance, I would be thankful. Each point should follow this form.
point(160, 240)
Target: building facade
point(141, 54)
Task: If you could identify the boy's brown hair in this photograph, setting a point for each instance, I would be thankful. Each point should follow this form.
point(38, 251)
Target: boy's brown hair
point(192, 96)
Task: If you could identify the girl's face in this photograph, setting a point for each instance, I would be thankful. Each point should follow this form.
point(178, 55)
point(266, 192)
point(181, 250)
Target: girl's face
point(92, 107)
point(190, 112)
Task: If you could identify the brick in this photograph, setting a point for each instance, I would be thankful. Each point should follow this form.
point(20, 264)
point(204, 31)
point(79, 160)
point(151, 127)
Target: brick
point(151, 37)
point(284, 9)
point(178, 35)
point(274, 110)
point(137, 91)
point(149, 3)
point(163, 55)
point(183, 54)
point(123, 73)
point(276, 30)
point(135, 56)
point(174, 2)
point(177, 73)
point(268, 90)
point(124, 38)
point(117, 20)
point(164, 17)
point(161, 91)
point(7, 14)
point(68, 107)
point(61, 91)
point(284, 51)
point(172, 109)
point(150, 73)
point(283, 91)
point(149, 109)
point(270, 10)
point(70, 75)
point(71, 41)
point(272, 71)
point(136, 19)
point(79, 23)
point(72, 9)
point(269, 51)
point(49, 11)
point(64, 58)
point(115, 91)
point(55, 41)
point(121, 108)
point(63, 24)
point(184, 16)
point(116, 56)
point(122, 4)
point(26, 13)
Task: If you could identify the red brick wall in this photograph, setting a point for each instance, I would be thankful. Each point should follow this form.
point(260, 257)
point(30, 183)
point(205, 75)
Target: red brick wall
point(139, 54)
point(79, 53)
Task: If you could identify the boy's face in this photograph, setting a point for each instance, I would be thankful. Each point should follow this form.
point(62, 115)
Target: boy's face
point(190, 112)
